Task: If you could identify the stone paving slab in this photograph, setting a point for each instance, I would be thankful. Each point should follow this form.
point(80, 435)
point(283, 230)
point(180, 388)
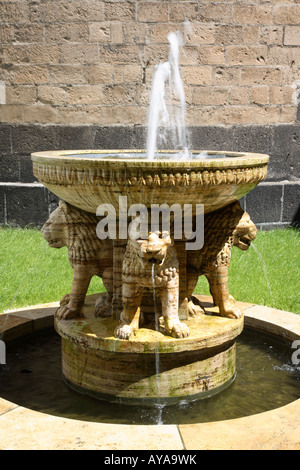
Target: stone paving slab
point(274, 430)
point(27, 429)
point(6, 406)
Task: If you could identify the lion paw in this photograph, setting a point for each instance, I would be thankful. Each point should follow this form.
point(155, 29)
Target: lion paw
point(124, 331)
point(65, 300)
point(103, 307)
point(194, 310)
point(64, 312)
point(177, 329)
point(231, 310)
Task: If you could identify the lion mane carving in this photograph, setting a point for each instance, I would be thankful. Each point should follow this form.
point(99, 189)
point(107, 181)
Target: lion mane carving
point(150, 263)
point(223, 229)
point(88, 255)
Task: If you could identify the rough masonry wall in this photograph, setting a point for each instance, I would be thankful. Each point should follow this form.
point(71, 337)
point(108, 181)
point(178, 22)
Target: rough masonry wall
point(78, 74)
point(92, 61)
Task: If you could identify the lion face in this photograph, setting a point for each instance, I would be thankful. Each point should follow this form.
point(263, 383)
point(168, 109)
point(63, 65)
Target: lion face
point(55, 229)
point(154, 250)
point(244, 233)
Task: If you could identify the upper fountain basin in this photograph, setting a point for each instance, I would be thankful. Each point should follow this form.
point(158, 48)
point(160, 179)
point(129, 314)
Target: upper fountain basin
point(88, 178)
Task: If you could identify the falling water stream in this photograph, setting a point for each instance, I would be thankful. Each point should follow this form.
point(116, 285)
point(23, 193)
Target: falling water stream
point(159, 406)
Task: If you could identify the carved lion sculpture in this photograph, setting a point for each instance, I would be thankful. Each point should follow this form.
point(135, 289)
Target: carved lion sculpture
point(88, 255)
point(150, 263)
point(223, 229)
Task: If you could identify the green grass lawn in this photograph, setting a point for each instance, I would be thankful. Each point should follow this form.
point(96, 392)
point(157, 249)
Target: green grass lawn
point(32, 272)
point(266, 274)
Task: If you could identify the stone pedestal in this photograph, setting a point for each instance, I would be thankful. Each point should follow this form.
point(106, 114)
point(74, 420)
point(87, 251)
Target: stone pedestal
point(152, 366)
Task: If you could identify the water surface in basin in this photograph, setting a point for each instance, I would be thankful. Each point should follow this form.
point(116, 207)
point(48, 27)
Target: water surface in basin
point(143, 156)
point(266, 379)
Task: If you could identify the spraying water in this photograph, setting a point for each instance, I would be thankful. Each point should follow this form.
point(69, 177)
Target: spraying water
point(167, 104)
point(265, 272)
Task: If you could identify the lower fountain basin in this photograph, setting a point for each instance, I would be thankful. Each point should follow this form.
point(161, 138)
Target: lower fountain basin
point(254, 417)
point(151, 367)
point(88, 178)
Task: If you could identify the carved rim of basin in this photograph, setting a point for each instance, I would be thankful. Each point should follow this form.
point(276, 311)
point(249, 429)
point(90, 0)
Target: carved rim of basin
point(88, 178)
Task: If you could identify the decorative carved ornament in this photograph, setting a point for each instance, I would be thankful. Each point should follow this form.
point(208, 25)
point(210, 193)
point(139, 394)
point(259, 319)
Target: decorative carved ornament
point(60, 174)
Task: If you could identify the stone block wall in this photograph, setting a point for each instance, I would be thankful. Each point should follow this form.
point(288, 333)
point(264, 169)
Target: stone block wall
point(92, 61)
point(78, 74)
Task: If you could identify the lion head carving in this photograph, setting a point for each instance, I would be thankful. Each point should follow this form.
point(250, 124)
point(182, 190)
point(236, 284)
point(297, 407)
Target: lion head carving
point(55, 230)
point(155, 255)
point(154, 249)
point(244, 233)
point(75, 229)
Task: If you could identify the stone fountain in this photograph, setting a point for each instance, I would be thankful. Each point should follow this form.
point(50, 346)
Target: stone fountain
point(148, 337)
point(110, 349)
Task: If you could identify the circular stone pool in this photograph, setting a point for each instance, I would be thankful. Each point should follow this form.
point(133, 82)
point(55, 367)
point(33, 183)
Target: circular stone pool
point(24, 428)
point(265, 379)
